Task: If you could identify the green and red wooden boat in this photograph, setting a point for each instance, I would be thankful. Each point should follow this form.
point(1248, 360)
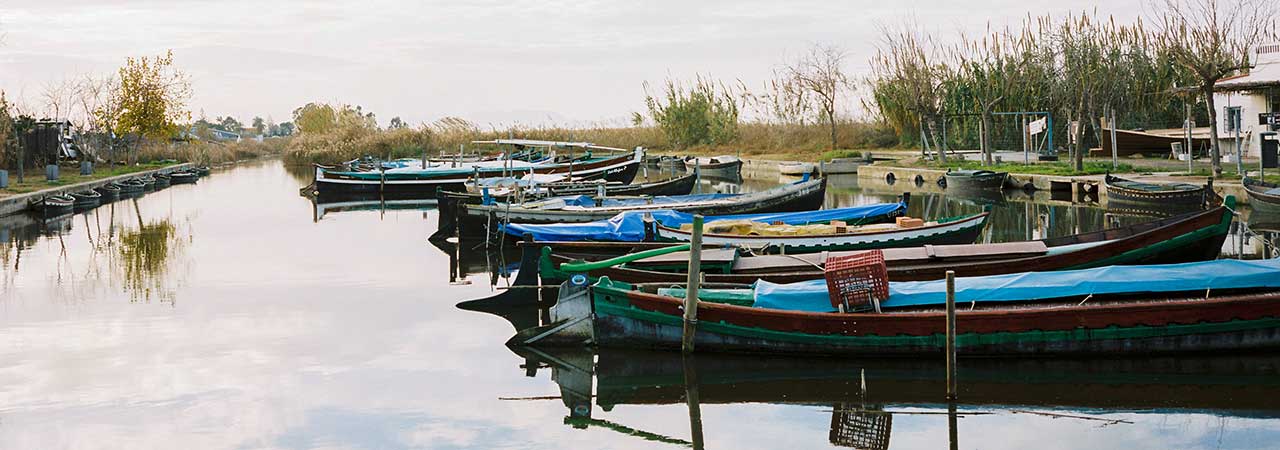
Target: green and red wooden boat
point(1189, 237)
point(1152, 316)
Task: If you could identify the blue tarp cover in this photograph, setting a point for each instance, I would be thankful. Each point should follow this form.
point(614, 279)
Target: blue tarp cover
point(1215, 275)
point(629, 226)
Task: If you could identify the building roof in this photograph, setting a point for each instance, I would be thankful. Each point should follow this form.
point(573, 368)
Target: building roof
point(1264, 74)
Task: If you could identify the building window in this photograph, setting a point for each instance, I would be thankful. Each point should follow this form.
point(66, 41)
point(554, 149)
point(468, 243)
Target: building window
point(1233, 118)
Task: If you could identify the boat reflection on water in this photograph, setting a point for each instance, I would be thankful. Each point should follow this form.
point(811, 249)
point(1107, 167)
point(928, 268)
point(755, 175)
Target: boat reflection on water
point(1265, 228)
point(368, 204)
point(865, 395)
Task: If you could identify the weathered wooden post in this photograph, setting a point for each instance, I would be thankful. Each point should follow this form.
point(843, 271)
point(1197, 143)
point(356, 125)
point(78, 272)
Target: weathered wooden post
point(1186, 125)
point(951, 335)
point(382, 179)
point(691, 292)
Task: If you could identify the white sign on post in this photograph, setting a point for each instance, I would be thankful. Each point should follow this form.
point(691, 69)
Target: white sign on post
point(1036, 126)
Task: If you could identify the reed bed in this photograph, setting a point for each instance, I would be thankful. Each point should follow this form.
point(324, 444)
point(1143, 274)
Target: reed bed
point(808, 142)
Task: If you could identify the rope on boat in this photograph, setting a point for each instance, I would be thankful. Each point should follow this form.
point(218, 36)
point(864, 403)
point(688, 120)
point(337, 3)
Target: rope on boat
point(1244, 227)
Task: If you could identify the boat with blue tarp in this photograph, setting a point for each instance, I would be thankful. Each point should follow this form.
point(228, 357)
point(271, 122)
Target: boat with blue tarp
point(1212, 306)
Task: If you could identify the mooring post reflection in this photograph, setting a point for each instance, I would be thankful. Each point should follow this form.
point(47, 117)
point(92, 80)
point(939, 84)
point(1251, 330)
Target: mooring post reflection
point(688, 363)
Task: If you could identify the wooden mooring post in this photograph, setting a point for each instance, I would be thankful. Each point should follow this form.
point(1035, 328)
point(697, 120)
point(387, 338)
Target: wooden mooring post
point(691, 291)
point(951, 335)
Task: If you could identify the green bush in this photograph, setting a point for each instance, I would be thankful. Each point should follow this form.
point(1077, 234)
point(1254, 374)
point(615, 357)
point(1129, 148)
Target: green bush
point(704, 114)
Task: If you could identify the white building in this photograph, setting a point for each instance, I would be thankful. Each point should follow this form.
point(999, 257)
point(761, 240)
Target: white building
point(1241, 99)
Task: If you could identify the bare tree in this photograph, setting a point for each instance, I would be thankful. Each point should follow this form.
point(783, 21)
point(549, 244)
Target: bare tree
point(58, 96)
point(820, 73)
point(1212, 39)
point(784, 101)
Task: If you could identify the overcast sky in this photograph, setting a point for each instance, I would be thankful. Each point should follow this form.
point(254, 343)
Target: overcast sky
point(489, 61)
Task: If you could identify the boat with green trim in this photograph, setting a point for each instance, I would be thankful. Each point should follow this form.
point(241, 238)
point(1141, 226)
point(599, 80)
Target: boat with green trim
point(1091, 312)
point(1190, 237)
point(951, 230)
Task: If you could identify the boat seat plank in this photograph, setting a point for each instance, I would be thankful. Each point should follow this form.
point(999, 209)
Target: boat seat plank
point(962, 251)
point(718, 256)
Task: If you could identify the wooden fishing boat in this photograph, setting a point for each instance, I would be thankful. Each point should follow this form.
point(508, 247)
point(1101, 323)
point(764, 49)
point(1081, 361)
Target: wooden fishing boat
point(682, 185)
point(183, 177)
point(333, 184)
point(1191, 237)
point(1163, 195)
point(1175, 310)
point(1263, 196)
point(795, 168)
point(802, 195)
point(201, 170)
point(671, 163)
point(52, 205)
point(131, 186)
point(110, 192)
point(86, 199)
point(975, 180)
point(148, 182)
point(723, 166)
point(953, 230)
point(162, 180)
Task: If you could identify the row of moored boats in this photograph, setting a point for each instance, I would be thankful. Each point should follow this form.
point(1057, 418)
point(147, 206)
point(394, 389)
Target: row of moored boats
point(781, 275)
point(52, 205)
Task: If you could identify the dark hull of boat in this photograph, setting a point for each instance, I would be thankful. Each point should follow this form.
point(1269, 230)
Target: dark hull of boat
point(676, 186)
point(1259, 199)
point(1164, 199)
point(983, 182)
point(800, 197)
point(730, 170)
point(183, 177)
point(87, 199)
point(1235, 323)
point(54, 205)
point(131, 187)
point(334, 190)
point(109, 194)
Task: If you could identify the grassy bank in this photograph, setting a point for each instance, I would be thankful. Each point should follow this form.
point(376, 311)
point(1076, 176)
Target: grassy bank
point(759, 140)
point(35, 181)
point(151, 156)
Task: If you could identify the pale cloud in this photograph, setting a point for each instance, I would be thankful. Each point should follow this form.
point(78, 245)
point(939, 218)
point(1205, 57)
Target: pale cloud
point(493, 61)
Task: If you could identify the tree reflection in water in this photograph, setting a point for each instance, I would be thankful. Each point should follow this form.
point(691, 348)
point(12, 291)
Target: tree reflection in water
point(144, 257)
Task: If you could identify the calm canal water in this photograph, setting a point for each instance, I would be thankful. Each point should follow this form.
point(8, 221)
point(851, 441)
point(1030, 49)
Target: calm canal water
point(236, 314)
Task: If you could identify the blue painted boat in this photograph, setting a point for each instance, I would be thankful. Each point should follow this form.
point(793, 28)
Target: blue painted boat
point(630, 226)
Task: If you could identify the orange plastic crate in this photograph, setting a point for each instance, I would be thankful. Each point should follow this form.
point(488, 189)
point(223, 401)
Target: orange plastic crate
point(857, 282)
